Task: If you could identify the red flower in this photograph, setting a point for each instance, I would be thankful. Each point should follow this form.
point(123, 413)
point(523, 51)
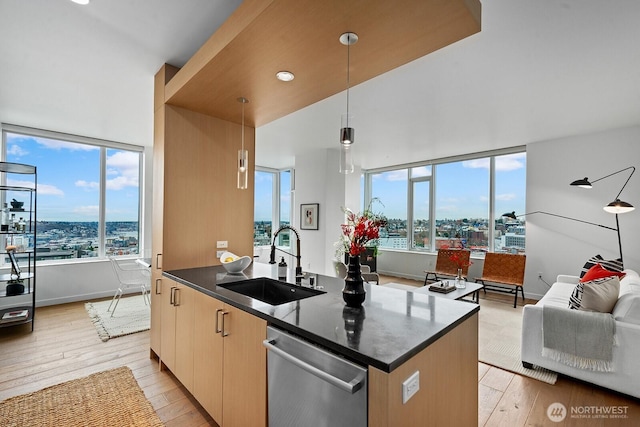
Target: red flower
point(361, 230)
point(459, 262)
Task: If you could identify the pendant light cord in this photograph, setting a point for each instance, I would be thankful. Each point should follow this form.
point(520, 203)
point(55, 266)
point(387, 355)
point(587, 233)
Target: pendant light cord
point(348, 73)
point(242, 127)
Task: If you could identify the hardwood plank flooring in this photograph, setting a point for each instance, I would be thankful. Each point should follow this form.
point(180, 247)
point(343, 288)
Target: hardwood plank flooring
point(65, 346)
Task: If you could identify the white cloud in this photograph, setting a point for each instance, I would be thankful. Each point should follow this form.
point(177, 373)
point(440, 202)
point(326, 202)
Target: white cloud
point(505, 163)
point(16, 150)
point(54, 144)
point(88, 185)
point(506, 197)
point(124, 166)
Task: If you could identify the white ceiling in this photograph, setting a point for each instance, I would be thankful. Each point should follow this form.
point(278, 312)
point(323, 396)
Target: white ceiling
point(539, 69)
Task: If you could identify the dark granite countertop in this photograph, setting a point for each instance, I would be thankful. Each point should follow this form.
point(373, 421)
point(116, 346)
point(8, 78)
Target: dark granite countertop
point(392, 326)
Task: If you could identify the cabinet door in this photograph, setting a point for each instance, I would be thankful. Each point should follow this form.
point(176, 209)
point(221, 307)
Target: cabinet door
point(156, 312)
point(245, 370)
point(168, 324)
point(184, 299)
point(207, 355)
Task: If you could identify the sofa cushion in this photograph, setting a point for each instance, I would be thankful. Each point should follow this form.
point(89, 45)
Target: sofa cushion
point(610, 264)
point(627, 309)
point(598, 272)
point(598, 295)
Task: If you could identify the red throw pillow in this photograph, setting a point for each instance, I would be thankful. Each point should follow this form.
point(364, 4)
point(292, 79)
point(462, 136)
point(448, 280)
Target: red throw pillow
point(599, 272)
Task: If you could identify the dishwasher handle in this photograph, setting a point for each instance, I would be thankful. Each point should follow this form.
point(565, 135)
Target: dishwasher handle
point(350, 387)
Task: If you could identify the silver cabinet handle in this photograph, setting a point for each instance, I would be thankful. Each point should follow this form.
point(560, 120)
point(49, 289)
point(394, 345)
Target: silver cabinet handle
point(218, 330)
point(350, 387)
point(172, 296)
point(158, 292)
point(224, 332)
point(158, 263)
point(176, 299)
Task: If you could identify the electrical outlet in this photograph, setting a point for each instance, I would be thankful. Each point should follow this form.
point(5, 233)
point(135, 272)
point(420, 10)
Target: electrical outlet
point(219, 254)
point(410, 386)
point(222, 244)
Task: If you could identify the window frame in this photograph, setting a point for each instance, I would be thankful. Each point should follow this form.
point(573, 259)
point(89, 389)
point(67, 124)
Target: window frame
point(491, 155)
point(103, 145)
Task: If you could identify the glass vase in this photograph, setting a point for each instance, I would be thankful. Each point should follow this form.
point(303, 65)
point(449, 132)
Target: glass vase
point(460, 282)
point(353, 292)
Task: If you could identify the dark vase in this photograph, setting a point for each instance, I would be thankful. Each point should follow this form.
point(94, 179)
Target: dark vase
point(353, 292)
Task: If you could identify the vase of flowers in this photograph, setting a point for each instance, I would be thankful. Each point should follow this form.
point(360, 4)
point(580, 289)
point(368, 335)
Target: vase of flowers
point(460, 263)
point(360, 231)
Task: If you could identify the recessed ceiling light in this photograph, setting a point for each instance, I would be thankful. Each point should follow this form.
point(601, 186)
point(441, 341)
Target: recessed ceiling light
point(81, 1)
point(285, 76)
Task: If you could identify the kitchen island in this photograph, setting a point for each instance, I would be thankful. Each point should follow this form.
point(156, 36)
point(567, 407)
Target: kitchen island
point(394, 334)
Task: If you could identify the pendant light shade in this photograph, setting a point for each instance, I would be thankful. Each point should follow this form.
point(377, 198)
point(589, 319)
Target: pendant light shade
point(618, 206)
point(243, 155)
point(347, 132)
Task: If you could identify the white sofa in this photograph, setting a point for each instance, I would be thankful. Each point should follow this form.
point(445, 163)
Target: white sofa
point(625, 377)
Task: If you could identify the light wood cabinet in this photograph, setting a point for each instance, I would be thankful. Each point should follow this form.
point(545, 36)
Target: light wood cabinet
point(448, 394)
point(177, 336)
point(230, 363)
point(208, 355)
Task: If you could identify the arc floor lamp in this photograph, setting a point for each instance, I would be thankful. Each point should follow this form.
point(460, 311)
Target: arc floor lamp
point(616, 207)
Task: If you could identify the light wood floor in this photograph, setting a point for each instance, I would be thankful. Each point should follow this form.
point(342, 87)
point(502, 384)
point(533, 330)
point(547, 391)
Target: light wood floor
point(65, 346)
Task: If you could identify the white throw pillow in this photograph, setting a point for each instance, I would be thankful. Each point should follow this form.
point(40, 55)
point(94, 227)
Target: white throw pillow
point(600, 295)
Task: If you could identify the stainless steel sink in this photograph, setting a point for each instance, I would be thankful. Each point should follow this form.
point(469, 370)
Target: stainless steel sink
point(271, 291)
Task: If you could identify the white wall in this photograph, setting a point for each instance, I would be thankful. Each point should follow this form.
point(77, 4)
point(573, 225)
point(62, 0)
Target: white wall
point(318, 181)
point(559, 246)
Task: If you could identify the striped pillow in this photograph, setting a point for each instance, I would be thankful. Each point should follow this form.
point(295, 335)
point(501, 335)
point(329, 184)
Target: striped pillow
point(609, 264)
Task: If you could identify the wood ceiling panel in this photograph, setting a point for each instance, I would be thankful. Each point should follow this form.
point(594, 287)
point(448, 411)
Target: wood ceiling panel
point(301, 36)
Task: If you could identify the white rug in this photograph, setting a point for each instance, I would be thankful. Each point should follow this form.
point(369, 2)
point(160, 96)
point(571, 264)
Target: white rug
point(131, 316)
point(499, 334)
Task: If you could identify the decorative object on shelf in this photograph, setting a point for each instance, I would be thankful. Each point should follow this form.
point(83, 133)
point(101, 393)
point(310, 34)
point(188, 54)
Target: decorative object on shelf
point(309, 216)
point(17, 206)
point(617, 206)
point(243, 155)
point(359, 231)
point(347, 132)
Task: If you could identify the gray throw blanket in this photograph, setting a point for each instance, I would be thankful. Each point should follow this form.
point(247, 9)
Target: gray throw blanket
point(581, 339)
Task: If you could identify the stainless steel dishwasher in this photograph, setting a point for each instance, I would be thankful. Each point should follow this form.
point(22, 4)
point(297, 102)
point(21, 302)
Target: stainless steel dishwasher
point(309, 386)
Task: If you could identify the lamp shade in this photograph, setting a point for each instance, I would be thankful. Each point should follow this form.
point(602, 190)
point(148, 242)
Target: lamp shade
point(511, 215)
point(582, 183)
point(618, 206)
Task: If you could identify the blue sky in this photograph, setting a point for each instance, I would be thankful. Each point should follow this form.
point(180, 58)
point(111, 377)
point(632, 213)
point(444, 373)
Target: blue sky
point(462, 189)
point(69, 177)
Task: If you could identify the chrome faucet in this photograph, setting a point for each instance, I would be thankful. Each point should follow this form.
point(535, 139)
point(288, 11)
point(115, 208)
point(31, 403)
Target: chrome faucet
point(272, 257)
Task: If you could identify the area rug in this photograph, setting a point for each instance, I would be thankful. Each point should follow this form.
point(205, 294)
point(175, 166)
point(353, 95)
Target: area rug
point(132, 315)
point(111, 399)
point(499, 334)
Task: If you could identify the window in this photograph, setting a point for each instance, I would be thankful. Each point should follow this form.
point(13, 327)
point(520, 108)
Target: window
point(88, 192)
point(390, 188)
point(510, 197)
point(465, 197)
point(272, 205)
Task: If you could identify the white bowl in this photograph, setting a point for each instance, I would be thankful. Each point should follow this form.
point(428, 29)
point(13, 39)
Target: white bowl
point(237, 265)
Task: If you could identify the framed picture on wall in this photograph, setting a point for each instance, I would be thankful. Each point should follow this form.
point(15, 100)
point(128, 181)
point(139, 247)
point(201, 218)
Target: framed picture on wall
point(309, 216)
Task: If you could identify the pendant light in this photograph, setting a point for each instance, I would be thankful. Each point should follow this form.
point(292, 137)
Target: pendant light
point(347, 132)
point(243, 155)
